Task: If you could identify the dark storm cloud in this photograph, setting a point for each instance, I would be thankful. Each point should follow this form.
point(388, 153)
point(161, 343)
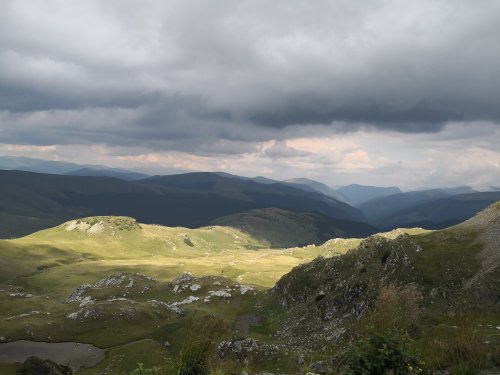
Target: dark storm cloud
point(418, 118)
point(184, 75)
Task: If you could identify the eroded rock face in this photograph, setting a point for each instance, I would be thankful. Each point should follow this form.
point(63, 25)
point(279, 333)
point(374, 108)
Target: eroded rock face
point(346, 278)
point(238, 348)
point(96, 225)
point(118, 285)
point(334, 290)
point(245, 350)
point(37, 366)
point(134, 296)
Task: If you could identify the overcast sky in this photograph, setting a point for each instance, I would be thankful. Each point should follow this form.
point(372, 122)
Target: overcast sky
point(376, 92)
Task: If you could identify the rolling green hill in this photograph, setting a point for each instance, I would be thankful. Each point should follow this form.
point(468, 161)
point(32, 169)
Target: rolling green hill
point(123, 267)
point(281, 228)
point(99, 257)
point(163, 251)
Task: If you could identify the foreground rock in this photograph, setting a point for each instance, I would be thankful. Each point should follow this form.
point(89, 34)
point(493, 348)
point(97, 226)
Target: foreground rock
point(37, 366)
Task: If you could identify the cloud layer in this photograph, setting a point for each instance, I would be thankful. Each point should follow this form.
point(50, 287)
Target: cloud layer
point(236, 78)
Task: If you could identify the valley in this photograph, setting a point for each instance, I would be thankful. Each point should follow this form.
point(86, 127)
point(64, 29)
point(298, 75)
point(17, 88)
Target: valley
point(218, 270)
point(266, 276)
point(139, 291)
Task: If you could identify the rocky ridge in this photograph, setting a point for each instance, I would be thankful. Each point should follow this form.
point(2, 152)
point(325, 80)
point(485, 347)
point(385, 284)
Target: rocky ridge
point(325, 297)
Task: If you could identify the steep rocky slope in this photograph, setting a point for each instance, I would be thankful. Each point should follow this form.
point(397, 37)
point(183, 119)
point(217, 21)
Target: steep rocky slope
point(456, 269)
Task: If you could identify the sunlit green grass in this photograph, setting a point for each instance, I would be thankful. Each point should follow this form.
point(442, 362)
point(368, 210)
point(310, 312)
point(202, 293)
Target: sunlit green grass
point(52, 263)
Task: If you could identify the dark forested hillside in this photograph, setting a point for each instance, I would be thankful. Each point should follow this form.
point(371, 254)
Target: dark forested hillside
point(33, 201)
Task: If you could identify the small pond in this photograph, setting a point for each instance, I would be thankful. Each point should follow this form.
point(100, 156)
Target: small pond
point(71, 354)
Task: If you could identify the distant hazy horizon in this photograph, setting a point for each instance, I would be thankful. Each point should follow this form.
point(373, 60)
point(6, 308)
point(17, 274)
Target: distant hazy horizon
point(160, 171)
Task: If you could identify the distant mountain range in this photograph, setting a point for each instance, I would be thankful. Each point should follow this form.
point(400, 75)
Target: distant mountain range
point(315, 186)
point(351, 194)
point(432, 209)
point(60, 167)
point(441, 212)
point(112, 172)
point(32, 201)
point(357, 194)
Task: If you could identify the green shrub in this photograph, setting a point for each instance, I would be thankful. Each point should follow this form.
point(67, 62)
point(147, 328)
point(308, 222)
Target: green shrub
point(397, 309)
point(378, 354)
point(194, 358)
point(460, 347)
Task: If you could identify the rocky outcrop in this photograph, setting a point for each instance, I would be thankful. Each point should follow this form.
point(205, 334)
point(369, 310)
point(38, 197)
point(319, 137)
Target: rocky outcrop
point(345, 284)
point(325, 296)
point(246, 350)
point(37, 366)
point(451, 268)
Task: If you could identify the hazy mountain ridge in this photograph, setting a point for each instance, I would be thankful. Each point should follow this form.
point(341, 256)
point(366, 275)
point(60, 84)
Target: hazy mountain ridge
point(315, 186)
point(432, 209)
point(246, 189)
point(31, 202)
point(115, 173)
point(356, 194)
point(41, 200)
point(66, 168)
point(380, 207)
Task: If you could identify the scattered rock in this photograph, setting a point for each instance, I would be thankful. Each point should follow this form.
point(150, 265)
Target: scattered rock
point(184, 278)
point(237, 348)
point(245, 288)
point(119, 284)
point(300, 359)
point(113, 309)
point(35, 312)
point(77, 295)
point(17, 291)
point(320, 296)
point(320, 367)
point(220, 293)
point(186, 301)
point(195, 287)
point(161, 306)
